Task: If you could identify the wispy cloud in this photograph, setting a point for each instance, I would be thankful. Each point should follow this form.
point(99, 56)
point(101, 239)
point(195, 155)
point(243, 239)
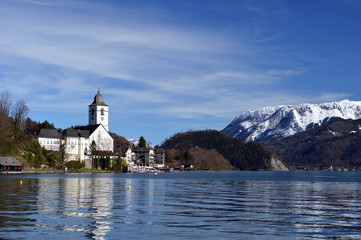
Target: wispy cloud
point(285, 72)
point(149, 59)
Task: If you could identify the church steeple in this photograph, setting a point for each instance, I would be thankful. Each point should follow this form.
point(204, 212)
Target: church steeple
point(98, 111)
point(98, 99)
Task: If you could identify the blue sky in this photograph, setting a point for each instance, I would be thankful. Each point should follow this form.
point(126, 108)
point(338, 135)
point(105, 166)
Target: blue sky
point(174, 65)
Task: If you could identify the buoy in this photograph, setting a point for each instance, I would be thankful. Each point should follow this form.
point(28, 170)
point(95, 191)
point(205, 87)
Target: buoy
point(129, 187)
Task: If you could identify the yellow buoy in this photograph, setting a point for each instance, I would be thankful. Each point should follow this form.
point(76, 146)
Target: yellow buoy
point(129, 187)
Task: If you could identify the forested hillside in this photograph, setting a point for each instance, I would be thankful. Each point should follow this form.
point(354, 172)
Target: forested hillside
point(336, 144)
point(242, 156)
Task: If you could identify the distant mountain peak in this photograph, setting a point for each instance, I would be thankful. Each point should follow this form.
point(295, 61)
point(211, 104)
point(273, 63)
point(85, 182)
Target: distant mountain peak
point(283, 121)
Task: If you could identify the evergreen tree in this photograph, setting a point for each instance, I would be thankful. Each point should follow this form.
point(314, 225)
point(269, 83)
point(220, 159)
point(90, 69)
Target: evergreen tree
point(142, 142)
point(93, 148)
point(117, 165)
point(45, 124)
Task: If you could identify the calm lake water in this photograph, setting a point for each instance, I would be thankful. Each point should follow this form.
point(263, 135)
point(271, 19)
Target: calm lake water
point(192, 205)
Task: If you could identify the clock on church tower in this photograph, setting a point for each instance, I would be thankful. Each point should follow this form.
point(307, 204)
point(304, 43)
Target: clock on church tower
point(98, 111)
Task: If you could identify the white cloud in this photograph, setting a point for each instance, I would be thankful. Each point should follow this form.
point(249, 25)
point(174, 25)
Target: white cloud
point(285, 72)
point(59, 53)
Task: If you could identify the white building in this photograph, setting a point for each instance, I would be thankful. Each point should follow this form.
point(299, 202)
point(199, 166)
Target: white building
point(128, 155)
point(77, 141)
point(76, 144)
point(49, 139)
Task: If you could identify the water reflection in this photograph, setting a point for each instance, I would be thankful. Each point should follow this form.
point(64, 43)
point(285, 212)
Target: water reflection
point(97, 206)
point(76, 204)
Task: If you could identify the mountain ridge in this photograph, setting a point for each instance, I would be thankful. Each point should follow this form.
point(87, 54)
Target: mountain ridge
point(278, 122)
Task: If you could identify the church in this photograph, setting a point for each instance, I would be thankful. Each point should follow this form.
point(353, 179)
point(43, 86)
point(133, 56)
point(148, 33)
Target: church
point(77, 141)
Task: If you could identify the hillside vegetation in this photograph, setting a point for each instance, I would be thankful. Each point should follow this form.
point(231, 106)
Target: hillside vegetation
point(336, 144)
point(200, 158)
point(242, 156)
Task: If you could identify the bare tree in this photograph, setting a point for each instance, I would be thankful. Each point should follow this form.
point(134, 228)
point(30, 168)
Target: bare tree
point(5, 104)
point(20, 111)
point(5, 122)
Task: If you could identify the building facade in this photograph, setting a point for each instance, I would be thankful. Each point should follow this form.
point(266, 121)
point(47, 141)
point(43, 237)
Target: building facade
point(50, 139)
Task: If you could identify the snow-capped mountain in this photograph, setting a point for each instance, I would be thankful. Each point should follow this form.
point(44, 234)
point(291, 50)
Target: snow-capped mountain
point(283, 121)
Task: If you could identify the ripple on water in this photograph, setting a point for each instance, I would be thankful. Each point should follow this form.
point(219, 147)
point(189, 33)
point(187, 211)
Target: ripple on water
point(194, 206)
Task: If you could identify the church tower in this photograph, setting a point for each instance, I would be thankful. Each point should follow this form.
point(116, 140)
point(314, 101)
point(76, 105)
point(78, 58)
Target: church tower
point(98, 111)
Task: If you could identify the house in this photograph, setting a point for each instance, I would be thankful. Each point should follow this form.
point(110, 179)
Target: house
point(128, 154)
point(159, 156)
point(10, 164)
point(146, 159)
point(144, 155)
point(49, 139)
point(76, 144)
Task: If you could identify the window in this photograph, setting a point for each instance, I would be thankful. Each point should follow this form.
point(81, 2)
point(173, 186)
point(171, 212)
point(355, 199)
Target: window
point(92, 111)
point(102, 112)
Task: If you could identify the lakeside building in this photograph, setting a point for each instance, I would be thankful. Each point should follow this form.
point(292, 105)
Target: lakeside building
point(143, 159)
point(76, 141)
point(10, 164)
point(50, 139)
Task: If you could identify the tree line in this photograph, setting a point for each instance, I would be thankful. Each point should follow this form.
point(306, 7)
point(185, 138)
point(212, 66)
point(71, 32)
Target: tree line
point(17, 131)
point(241, 155)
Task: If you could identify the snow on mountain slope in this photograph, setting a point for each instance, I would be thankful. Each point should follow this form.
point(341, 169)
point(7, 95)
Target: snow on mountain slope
point(284, 121)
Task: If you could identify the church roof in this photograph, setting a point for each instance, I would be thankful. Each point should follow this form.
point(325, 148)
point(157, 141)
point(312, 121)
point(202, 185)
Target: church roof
point(72, 132)
point(98, 100)
point(90, 128)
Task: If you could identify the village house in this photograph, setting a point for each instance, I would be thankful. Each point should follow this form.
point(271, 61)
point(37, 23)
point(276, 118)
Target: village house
point(10, 164)
point(50, 139)
point(144, 155)
point(143, 159)
point(127, 154)
point(159, 155)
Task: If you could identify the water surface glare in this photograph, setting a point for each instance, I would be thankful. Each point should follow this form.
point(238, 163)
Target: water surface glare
point(194, 205)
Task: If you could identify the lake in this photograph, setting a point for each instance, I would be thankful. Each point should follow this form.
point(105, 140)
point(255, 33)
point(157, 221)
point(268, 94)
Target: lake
point(190, 205)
